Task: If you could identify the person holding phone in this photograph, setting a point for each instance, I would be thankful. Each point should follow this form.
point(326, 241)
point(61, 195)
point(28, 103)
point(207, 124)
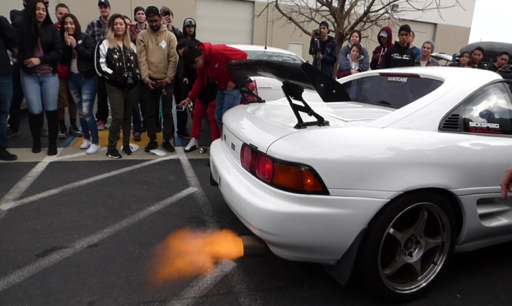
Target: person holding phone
point(116, 61)
point(78, 58)
point(179, 88)
point(158, 61)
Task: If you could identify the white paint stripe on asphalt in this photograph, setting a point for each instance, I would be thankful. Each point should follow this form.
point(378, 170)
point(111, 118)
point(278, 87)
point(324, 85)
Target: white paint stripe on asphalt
point(81, 154)
point(239, 281)
point(12, 204)
point(25, 182)
point(203, 284)
point(206, 209)
point(33, 268)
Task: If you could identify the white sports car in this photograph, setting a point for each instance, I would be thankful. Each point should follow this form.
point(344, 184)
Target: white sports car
point(388, 182)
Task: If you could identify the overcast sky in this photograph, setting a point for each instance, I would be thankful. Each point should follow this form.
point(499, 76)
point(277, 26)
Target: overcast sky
point(492, 21)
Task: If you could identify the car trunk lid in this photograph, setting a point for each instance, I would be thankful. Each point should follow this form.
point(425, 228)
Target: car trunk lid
point(272, 121)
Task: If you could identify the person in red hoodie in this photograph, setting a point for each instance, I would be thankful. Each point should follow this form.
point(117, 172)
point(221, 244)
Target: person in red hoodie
point(385, 40)
point(65, 97)
point(211, 63)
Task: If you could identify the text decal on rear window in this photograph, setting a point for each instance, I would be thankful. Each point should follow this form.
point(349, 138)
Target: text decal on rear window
point(397, 79)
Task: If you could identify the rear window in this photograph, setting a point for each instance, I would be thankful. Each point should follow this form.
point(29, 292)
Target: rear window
point(390, 90)
point(274, 56)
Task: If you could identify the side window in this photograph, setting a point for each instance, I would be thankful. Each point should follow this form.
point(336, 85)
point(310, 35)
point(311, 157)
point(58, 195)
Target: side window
point(489, 111)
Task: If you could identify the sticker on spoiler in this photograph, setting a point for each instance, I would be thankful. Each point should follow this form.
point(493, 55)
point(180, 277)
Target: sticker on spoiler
point(397, 79)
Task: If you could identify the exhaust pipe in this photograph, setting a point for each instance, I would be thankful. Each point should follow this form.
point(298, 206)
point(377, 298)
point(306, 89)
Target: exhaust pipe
point(254, 246)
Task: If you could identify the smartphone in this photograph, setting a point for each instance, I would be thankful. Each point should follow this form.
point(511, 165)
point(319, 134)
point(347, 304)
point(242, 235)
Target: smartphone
point(180, 108)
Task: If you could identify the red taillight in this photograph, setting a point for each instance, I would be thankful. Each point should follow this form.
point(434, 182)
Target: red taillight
point(286, 176)
point(246, 157)
point(264, 168)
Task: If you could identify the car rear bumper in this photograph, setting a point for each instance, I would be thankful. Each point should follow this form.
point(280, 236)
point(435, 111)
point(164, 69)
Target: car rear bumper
point(295, 226)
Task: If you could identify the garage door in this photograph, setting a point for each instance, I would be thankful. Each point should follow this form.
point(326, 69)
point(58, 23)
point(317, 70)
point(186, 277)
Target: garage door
point(423, 30)
point(225, 21)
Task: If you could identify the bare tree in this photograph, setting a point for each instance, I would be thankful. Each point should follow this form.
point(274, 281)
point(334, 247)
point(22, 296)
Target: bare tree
point(348, 15)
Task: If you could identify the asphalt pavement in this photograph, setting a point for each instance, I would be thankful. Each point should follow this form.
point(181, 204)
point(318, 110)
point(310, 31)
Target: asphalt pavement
point(80, 230)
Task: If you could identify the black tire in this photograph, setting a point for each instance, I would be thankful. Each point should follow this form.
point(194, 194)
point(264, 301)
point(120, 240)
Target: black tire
point(407, 246)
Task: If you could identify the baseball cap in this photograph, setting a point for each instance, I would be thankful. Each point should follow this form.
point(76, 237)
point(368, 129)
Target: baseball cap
point(189, 22)
point(152, 11)
point(103, 2)
point(383, 34)
point(324, 23)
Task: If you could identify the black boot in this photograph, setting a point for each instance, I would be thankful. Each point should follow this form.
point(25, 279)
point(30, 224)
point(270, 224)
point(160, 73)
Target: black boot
point(35, 122)
point(52, 118)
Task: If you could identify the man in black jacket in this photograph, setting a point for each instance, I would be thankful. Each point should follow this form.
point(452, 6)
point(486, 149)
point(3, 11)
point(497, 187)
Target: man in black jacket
point(179, 95)
point(187, 73)
point(17, 97)
point(323, 48)
point(9, 37)
point(400, 55)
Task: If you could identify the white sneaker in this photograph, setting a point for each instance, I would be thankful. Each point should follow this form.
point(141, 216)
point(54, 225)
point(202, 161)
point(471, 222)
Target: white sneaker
point(192, 145)
point(93, 149)
point(85, 144)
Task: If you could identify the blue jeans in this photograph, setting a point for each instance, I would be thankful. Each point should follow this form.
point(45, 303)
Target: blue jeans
point(5, 104)
point(84, 93)
point(226, 99)
point(41, 91)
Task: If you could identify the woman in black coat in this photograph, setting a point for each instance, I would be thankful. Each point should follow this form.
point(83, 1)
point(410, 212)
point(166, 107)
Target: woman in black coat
point(38, 53)
point(79, 49)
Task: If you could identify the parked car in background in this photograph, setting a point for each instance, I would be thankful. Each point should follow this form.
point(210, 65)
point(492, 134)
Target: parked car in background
point(268, 88)
point(491, 50)
point(384, 183)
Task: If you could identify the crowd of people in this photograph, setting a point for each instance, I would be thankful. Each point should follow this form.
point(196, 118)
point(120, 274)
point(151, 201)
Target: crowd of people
point(133, 67)
point(138, 68)
point(354, 58)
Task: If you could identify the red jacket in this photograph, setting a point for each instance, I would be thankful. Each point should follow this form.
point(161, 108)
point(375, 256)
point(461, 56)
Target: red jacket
point(216, 59)
point(381, 49)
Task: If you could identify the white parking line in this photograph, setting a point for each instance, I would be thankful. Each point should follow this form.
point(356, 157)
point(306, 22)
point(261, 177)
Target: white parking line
point(81, 154)
point(15, 203)
point(203, 284)
point(33, 268)
point(25, 182)
point(239, 281)
point(205, 206)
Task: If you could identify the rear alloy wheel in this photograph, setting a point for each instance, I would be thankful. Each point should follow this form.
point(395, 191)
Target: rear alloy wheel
point(407, 246)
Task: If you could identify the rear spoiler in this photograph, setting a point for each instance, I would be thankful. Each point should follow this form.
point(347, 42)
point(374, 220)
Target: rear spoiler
point(304, 75)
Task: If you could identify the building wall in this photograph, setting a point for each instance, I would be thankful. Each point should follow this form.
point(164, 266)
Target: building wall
point(86, 10)
point(279, 33)
point(461, 15)
point(449, 39)
point(449, 29)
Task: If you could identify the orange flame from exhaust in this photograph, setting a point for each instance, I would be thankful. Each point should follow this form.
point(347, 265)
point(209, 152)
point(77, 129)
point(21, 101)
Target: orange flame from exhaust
point(187, 253)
